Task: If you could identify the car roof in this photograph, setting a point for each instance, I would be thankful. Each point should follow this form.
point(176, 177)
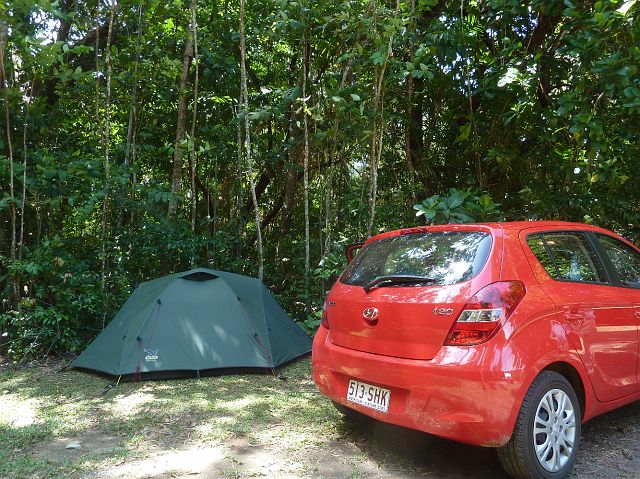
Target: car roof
point(508, 227)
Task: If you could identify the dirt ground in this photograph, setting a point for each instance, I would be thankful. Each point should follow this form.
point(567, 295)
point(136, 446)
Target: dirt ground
point(271, 441)
point(610, 449)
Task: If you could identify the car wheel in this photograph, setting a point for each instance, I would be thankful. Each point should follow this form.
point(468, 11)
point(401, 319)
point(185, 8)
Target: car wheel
point(546, 437)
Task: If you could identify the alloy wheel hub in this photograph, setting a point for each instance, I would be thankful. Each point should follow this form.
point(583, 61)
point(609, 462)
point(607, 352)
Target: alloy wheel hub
point(554, 430)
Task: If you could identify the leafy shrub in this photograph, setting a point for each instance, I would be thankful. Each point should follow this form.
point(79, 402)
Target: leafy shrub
point(459, 206)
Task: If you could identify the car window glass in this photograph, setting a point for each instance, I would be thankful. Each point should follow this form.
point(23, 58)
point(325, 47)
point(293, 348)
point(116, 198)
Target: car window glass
point(626, 261)
point(538, 247)
point(574, 258)
point(567, 256)
point(447, 258)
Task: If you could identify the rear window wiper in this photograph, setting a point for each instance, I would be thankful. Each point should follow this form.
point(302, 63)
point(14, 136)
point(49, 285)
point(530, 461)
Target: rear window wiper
point(396, 279)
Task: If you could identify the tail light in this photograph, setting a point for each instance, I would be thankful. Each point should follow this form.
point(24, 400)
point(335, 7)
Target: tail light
point(324, 320)
point(485, 312)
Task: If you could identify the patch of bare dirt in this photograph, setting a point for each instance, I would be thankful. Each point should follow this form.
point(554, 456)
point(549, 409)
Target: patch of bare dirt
point(90, 442)
point(611, 445)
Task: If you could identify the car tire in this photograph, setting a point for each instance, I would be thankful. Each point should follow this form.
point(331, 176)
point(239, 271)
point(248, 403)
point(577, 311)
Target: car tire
point(552, 408)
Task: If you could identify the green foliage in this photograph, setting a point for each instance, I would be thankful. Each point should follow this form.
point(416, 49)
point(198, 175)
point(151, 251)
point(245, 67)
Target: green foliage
point(330, 266)
point(311, 323)
point(459, 206)
point(514, 110)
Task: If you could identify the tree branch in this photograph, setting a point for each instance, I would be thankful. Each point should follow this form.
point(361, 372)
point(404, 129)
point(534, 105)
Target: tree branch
point(84, 60)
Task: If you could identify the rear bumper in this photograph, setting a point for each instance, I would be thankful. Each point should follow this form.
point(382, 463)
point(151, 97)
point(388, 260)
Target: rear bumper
point(468, 394)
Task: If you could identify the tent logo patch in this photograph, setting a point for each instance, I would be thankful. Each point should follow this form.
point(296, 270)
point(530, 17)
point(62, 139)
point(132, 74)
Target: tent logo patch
point(151, 354)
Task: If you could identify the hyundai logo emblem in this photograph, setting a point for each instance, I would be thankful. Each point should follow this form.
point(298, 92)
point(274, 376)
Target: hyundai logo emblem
point(371, 314)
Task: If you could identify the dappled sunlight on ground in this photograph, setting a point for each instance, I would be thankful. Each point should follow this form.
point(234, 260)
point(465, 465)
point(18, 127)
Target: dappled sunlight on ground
point(132, 404)
point(238, 404)
point(187, 461)
point(282, 436)
point(17, 411)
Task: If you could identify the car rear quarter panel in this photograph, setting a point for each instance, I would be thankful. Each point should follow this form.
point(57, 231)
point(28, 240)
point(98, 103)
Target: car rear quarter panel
point(536, 328)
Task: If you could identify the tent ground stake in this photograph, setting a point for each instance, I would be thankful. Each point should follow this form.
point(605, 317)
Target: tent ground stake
point(111, 386)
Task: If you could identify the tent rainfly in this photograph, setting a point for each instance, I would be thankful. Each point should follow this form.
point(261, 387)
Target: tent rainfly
point(195, 321)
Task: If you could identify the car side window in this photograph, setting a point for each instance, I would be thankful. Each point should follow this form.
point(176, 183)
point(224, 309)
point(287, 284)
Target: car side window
point(626, 260)
point(537, 245)
point(567, 256)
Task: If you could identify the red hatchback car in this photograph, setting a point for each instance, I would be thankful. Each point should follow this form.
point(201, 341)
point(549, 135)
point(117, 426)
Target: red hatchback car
point(508, 335)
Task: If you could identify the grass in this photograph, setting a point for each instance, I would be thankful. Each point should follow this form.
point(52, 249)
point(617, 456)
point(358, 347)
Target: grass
point(43, 410)
point(240, 426)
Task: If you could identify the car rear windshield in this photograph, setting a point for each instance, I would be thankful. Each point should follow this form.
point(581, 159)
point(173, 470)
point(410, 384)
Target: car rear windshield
point(445, 257)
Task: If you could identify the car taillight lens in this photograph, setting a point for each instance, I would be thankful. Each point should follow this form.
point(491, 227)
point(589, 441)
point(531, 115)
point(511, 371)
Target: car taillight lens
point(485, 312)
point(324, 320)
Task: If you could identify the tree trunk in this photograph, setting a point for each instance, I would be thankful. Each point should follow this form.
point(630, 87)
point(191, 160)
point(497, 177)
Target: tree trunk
point(176, 181)
point(4, 32)
point(24, 168)
point(376, 150)
point(133, 109)
point(107, 179)
point(99, 130)
point(413, 125)
point(192, 150)
point(239, 179)
point(247, 140)
point(307, 238)
point(293, 157)
point(334, 152)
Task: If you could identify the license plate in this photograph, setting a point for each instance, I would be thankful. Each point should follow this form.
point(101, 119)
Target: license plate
point(368, 395)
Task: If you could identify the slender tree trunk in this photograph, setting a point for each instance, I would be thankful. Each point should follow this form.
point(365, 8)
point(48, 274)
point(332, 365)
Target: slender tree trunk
point(307, 238)
point(247, 140)
point(36, 199)
point(24, 168)
point(407, 140)
point(99, 130)
point(293, 156)
point(192, 150)
point(133, 110)
point(474, 133)
point(134, 91)
point(4, 32)
point(376, 150)
point(409, 126)
point(107, 174)
point(240, 177)
point(176, 181)
point(334, 152)
point(215, 207)
point(134, 177)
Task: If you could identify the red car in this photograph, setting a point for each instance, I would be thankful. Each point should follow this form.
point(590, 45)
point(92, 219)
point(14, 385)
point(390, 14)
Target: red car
point(507, 335)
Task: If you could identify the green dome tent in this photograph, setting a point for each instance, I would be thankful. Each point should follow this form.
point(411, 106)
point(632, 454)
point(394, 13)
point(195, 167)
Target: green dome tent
point(194, 321)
